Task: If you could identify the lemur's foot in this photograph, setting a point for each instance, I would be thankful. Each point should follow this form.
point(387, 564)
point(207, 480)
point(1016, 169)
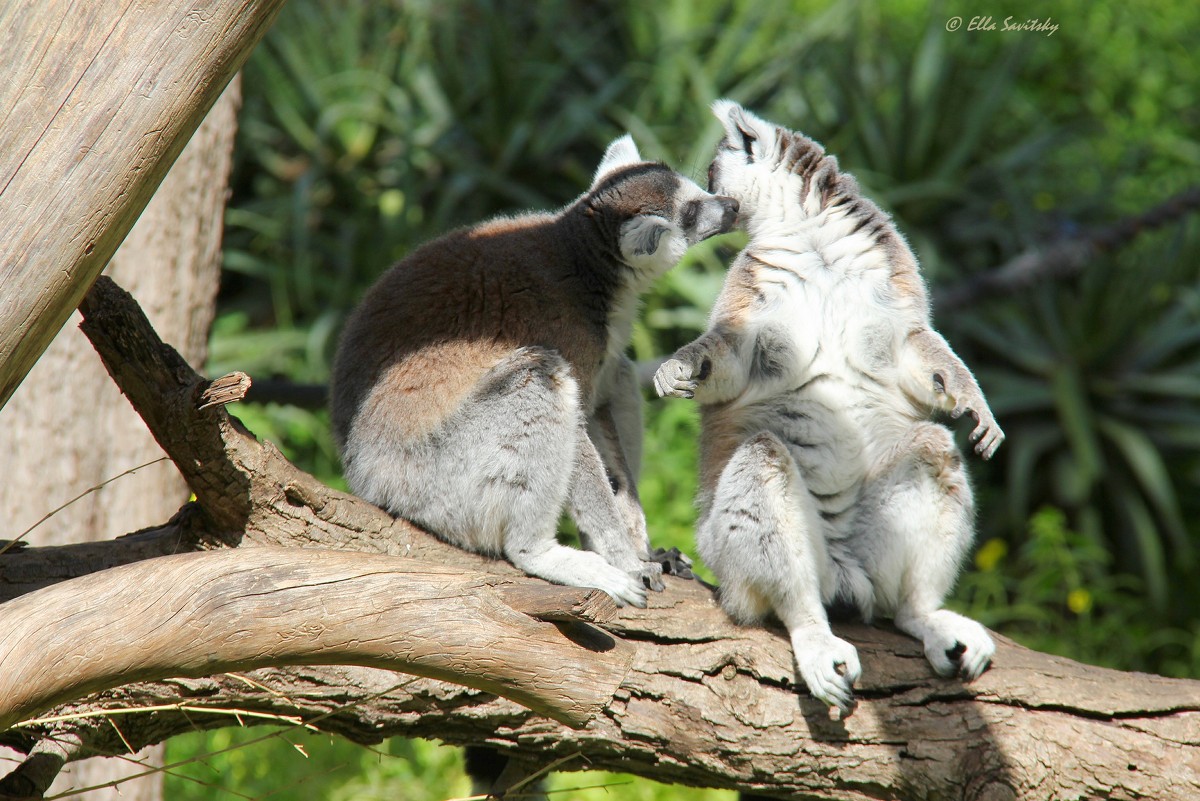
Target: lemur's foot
point(626, 590)
point(829, 666)
point(651, 574)
point(954, 645)
point(674, 562)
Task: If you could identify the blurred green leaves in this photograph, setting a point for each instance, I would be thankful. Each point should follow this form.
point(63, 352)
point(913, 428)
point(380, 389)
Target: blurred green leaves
point(1097, 384)
point(298, 765)
point(1059, 593)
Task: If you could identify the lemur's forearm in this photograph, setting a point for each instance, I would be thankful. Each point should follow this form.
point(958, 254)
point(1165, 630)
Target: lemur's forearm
point(933, 374)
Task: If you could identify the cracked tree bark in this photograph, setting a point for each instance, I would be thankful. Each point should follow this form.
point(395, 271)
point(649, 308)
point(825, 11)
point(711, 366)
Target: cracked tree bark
point(703, 702)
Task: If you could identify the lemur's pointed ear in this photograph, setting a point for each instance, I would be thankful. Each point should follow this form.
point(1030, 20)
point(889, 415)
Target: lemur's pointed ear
point(744, 131)
point(621, 153)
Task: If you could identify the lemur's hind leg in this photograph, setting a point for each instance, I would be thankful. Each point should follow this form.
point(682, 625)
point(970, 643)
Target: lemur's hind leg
point(610, 521)
point(918, 525)
point(614, 431)
point(535, 422)
point(762, 536)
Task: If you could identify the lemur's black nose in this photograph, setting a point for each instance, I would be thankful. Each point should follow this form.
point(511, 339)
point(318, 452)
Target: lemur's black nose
point(729, 215)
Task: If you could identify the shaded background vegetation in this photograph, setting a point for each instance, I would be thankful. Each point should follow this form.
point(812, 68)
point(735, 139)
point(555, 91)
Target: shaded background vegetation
point(368, 129)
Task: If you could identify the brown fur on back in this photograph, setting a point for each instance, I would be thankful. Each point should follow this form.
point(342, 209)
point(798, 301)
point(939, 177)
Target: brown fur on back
point(433, 325)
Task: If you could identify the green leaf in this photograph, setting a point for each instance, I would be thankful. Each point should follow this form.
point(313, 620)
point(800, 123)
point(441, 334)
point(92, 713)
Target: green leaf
point(1024, 450)
point(1151, 472)
point(1075, 415)
point(1149, 547)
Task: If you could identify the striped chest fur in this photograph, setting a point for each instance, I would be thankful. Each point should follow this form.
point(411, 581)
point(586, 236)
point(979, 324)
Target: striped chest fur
point(825, 325)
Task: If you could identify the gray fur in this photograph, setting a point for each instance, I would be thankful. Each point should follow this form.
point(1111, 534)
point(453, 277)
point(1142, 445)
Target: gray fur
point(822, 479)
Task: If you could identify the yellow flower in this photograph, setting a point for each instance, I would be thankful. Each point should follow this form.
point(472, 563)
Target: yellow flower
point(1079, 601)
point(990, 554)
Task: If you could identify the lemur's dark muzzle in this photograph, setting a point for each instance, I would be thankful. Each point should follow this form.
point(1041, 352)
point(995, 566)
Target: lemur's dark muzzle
point(729, 213)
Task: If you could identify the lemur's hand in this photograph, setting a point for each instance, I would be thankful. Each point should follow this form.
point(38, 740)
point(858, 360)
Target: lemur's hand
point(987, 435)
point(679, 376)
point(674, 562)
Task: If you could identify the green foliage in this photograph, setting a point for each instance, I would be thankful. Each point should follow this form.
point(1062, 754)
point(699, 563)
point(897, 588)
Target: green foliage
point(296, 765)
point(1097, 384)
point(668, 482)
point(602, 786)
point(1059, 593)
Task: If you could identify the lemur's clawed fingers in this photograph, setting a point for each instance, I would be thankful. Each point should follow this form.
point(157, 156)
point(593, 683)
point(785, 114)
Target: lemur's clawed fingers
point(625, 589)
point(651, 575)
point(957, 646)
point(973, 663)
point(989, 441)
point(675, 378)
point(632, 594)
point(673, 561)
point(987, 435)
point(830, 668)
point(966, 662)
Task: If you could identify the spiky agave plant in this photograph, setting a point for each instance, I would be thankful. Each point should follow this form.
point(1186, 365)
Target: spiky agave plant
point(1098, 381)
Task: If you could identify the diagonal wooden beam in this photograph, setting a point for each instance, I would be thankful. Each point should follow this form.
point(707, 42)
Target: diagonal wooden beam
point(97, 101)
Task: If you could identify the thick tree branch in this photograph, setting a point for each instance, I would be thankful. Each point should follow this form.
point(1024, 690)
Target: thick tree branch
point(705, 702)
point(105, 95)
point(193, 615)
point(1065, 257)
point(246, 491)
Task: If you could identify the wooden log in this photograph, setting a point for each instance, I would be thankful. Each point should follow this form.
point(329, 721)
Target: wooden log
point(97, 101)
point(709, 703)
point(197, 614)
point(171, 261)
